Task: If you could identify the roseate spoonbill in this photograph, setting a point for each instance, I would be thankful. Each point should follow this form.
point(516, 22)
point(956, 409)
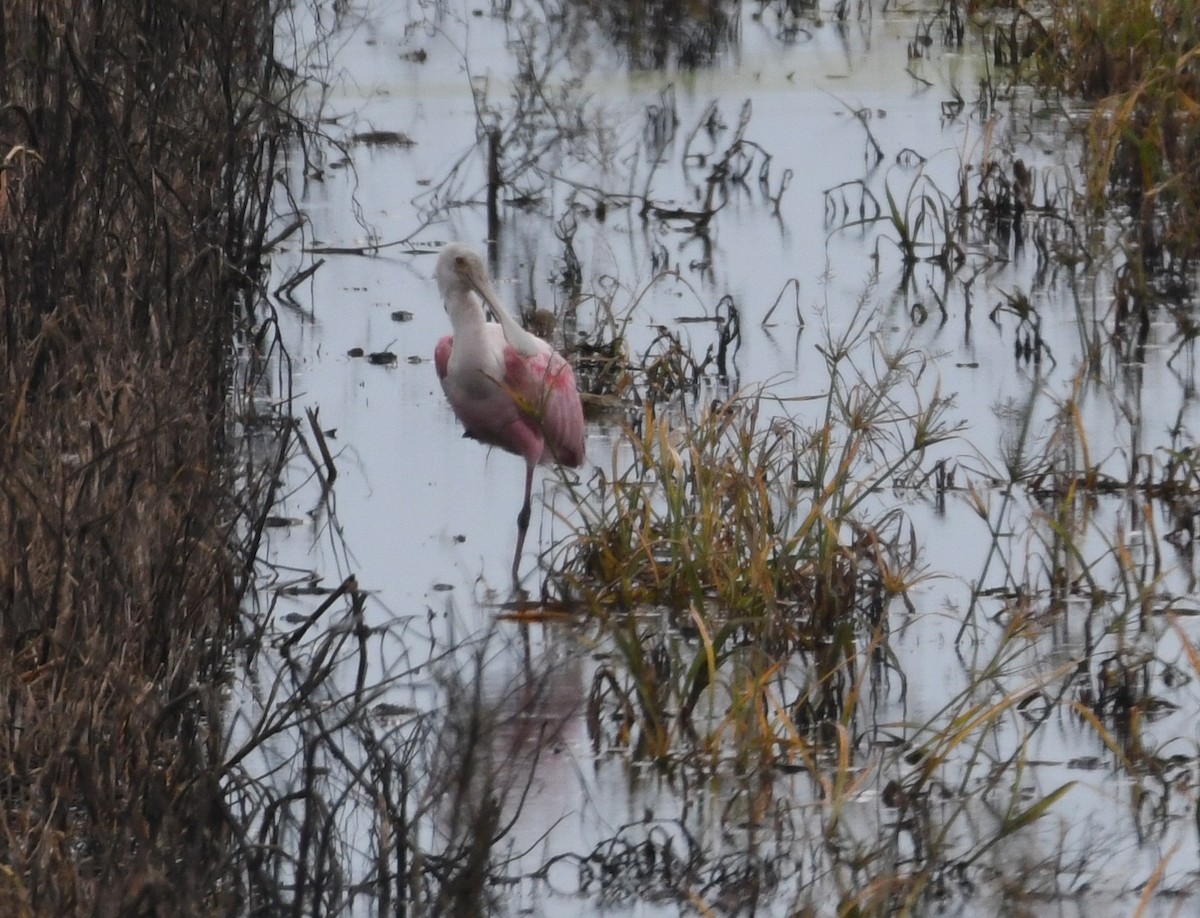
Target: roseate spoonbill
point(508, 387)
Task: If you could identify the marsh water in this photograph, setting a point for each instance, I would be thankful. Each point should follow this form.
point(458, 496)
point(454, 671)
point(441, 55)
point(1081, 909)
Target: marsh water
point(609, 134)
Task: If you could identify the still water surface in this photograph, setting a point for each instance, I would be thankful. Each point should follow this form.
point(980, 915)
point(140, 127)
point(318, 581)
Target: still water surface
point(425, 520)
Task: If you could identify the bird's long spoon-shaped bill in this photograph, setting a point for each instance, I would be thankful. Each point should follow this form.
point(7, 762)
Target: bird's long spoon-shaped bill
point(522, 341)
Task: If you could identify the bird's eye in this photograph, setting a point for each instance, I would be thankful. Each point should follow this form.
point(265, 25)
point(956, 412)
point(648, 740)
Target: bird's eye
point(461, 261)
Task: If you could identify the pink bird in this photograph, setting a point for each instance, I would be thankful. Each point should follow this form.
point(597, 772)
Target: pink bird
point(508, 387)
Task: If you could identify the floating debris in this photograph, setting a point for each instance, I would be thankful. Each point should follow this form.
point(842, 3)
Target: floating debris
point(393, 710)
point(311, 589)
point(383, 138)
point(535, 615)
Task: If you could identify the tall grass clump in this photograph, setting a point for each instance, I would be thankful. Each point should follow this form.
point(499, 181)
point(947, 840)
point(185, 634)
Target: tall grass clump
point(1136, 61)
point(762, 540)
point(137, 144)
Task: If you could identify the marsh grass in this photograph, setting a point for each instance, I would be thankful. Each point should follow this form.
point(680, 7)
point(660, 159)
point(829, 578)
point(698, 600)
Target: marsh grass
point(1136, 62)
point(745, 564)
point(957, 231)
point(924, 222)
point(136, 152)
point(667, 32)
point(345, 796)
point(756, 536)
point(746, 574)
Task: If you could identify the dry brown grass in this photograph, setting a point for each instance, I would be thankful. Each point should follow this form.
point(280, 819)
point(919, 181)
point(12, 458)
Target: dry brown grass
point(131, 198)
point(1136, 61)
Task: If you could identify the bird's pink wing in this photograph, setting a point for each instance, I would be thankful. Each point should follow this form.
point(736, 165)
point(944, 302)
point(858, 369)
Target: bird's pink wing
point(543, 387)
point(483, 404)
point(562, 423)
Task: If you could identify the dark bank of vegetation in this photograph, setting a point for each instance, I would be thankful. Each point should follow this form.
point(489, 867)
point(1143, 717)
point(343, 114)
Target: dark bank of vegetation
point(138, 143)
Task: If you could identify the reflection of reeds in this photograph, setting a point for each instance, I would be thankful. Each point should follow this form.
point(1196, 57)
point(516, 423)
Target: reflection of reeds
point(661, 33)
point(135, 162)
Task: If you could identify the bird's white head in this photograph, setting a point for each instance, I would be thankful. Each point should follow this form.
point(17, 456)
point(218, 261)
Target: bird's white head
point(459, 268)
point(460, 272)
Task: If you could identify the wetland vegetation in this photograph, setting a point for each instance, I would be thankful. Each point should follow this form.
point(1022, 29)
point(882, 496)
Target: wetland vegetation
point(136, 148)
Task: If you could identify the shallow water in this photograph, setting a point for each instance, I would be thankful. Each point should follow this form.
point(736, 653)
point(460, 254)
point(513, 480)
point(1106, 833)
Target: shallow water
point(425, 520)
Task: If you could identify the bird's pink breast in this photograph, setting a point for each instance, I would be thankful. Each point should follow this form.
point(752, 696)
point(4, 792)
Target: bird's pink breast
point(441, 356)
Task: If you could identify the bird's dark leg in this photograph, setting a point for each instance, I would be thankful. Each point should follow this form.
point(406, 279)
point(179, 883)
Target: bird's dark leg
point(523, 523)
